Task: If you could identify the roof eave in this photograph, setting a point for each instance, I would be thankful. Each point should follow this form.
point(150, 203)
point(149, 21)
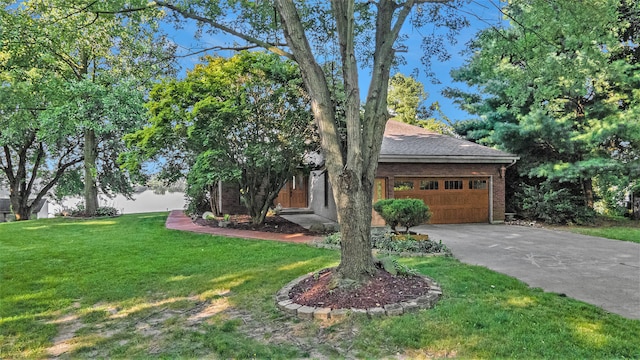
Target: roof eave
point(449, 159)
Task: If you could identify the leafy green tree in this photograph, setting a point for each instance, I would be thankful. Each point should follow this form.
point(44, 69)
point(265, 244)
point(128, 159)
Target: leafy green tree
point(35, 155)
point(405, 99)
point(559, 88)
point(102, 61)
point(244, 120)
point(108, 112)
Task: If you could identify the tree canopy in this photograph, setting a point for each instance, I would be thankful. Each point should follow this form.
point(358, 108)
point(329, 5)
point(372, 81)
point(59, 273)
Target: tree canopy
point(559, 87)
point(99, 65)
point(244, 120)
point(406, 104)
point(406, 97)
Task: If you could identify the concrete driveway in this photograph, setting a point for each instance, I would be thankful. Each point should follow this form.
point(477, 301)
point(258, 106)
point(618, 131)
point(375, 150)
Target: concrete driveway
point(598, 271)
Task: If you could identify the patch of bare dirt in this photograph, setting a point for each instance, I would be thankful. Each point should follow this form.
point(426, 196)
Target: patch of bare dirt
point(381, 289)
point(152, 327)
point(273, 224)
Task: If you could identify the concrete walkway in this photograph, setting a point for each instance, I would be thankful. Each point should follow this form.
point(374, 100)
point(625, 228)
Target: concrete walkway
point(307, 220)
point(177, 220)
point(598, 271)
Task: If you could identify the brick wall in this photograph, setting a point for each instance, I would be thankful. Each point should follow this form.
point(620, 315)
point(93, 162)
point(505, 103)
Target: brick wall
point(231, 200)
point(392, 170)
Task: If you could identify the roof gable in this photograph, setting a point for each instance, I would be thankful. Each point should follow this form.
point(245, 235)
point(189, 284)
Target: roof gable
point(408, 143)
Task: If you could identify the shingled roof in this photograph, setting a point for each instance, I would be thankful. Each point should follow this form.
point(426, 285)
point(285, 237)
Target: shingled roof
point(408, 143)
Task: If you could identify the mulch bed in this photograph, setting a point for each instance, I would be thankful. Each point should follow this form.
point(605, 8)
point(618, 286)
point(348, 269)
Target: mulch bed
point(273, 224)
point(382, 289)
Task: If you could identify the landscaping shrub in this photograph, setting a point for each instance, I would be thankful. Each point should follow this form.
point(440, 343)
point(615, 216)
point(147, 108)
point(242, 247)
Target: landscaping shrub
point(383, 240)
point(403, 212)
point(106, 211)
point(555, 206)
point(80, 211)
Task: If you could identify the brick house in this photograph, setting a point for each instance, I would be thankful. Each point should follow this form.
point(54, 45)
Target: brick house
point(460, 181)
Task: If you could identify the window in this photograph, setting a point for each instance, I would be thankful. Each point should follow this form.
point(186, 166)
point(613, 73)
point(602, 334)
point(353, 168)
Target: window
point(428, 184)
point(403, 185)
point(453, 184)
point(478, 184)
point(326, 189)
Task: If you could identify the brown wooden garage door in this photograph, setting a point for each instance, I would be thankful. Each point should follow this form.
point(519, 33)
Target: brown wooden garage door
point(451, 200)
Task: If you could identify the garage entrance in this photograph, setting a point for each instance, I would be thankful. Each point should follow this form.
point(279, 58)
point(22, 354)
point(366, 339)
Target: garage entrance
point(451, 200)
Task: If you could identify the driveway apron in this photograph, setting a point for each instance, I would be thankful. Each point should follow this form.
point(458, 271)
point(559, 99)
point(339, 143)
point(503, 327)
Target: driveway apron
point(602, 272)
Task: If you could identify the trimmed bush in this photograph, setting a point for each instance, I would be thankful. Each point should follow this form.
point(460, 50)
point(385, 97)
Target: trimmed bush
point(403, 212)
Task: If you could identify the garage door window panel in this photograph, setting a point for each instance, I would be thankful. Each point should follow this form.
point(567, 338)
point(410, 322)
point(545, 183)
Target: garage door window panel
point(429, 185)
point(453, 184)
point(478, 184)
point(403, 185)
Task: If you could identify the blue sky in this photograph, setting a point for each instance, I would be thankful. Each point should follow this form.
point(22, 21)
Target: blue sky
point(480, 13)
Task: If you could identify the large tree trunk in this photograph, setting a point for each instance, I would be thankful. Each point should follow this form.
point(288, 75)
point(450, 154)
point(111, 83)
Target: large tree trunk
point(90, 172)
point(587, 191)
point(349, 194)
point(19, 205)
point(353, 199)
point(22, 182)
point(352, 174)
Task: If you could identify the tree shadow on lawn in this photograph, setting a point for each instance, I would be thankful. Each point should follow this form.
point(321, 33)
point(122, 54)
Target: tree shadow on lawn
point(231, 309)
point(90, 304)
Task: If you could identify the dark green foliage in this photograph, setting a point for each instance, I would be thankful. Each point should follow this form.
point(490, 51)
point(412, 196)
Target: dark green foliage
point(80, 211)
point(106, 211)
point(403, 212)
point(384, 240)
point(555, 206)
point(558, 87)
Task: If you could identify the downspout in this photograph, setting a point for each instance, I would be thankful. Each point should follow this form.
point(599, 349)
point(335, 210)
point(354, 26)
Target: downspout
point(491, 221)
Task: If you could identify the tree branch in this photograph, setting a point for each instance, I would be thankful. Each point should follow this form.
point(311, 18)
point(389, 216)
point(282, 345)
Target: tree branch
point(214, 48)
point(9, 167)
point(36, 165)
point(190, 15)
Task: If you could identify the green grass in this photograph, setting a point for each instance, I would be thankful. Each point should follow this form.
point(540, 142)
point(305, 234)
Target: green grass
point(620, 229)
point(129, 288)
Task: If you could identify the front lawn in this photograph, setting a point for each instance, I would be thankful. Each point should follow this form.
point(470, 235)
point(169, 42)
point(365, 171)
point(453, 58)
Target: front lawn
point(616, 229)
point(128, 288)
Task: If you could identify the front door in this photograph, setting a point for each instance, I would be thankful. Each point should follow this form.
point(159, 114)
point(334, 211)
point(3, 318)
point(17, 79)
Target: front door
point(294, 194)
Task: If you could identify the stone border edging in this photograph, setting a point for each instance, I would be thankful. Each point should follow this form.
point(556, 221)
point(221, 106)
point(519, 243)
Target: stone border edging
point(286, 305)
